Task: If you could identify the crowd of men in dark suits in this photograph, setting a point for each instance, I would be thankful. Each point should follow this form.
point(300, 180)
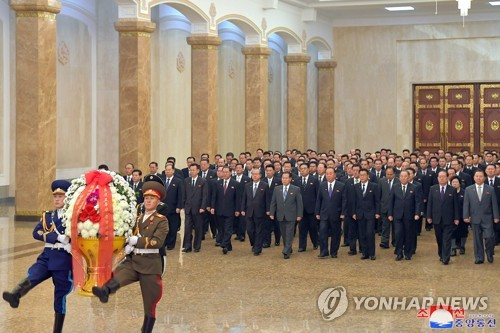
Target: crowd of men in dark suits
point(335, 200)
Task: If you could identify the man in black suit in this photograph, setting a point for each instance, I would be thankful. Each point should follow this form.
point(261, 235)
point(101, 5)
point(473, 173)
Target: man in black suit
point(226, 202)
point(177, 172)
point(494, 182)
point(240, 225)
point(331, 207)
point(378, 169)
point(195, 196)
point(185, 172)
point(465, 179)
point(469, 168)
point(404, 211)
point(309, 187)
point(271, 225)
point(366, 210)
point(254, 208)
point(442, 212)
point(209, 175)
point(427, 178)
point(350, 227)
point(136, 185)
point(153, 169)
point(420, 196)
point(129, 168)
point(173, 202)
point(385, 186)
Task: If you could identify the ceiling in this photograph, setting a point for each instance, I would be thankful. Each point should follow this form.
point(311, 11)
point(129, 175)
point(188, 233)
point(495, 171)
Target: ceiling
point(372, 12)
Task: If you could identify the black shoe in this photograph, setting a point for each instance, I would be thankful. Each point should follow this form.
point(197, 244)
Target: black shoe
point(490, 259)
point(58, 322)
point(217, 244)
point(315, 247)
point(286, 256)
point(103, 293)
point(399, 257)
point(242, 239)
point(363, 257)
point(333, 256)
point(373, 257)
point(322, 256)
point(256, 254)
point(462, 250)
point(224, 250)
point(237, 238)
point(203, 237)
point(196, 250)
point(186, 250)
point(445, 262)
point(478, 262)
point(265, 246)
point(418, 233)
point(352, 253)
point(19, 291)
point(148, 324)
point(170, 248)
point(302, 250)
point(384, 246)
point(344, 245)
point(408, 258)
point(453, 252)
point(277, 244)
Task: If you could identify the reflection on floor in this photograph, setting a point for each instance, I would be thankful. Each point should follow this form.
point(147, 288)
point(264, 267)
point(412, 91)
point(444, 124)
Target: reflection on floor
point(212, 292)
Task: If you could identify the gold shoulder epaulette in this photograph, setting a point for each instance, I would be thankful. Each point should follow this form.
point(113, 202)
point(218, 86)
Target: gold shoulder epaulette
point(160, 215)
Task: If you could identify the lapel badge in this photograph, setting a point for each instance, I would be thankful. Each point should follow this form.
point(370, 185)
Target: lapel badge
point(338, 190)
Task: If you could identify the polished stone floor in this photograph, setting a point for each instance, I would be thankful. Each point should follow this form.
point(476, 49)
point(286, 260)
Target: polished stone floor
point(211, 292)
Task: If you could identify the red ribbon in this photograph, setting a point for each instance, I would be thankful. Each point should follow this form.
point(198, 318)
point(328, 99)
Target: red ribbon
point(106, 228)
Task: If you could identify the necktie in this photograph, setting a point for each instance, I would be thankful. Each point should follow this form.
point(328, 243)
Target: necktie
point(363, 189)
point(378, 174)
point(168, 183)
point(491, 182)
point(442, 193)
point(390, 184)
point(254, 189)
point(225, 186)
point(404, 190)
point(204, 175)
point(285, 192)
point(479, 192)
point(423, 172)
point(269, 181)
point(303, 181)
point(135, 187)
point(193, 182)
point(330, 190)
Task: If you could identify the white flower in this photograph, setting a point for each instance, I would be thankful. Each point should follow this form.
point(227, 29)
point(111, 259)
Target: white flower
point(96, 226)
point(87, 225)
point(113, 190)
point(85, 234)
point(80, 226)
point(92, 232)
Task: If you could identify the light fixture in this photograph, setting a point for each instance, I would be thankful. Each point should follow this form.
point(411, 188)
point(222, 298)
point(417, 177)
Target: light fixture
point(397, 9)
point(464, 6)
point(495, 3)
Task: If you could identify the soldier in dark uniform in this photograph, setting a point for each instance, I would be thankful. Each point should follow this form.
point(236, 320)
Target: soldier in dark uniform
point(55, 260)
point(144, 261)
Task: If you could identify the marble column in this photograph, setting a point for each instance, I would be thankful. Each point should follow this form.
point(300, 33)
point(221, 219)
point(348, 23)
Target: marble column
point(256, 97)
point(204, 94)
point(325, 88)
point(296, 100)
point(135, 92)
point(35, 105)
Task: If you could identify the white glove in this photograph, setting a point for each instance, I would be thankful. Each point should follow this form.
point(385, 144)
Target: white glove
point(133, 240)
point(67, 247)
point(129, 249)
point(63, 239)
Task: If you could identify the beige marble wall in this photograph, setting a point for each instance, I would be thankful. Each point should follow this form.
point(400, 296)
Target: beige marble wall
point(231, 117)
point(325, 86)
point(297, 101)
point(35, 103)
point(3, 95)
point(171, 98)
point(256, 97)
point(378, 65)
point(312, 134)
point(204, 94)
point(277, 133)
point(74, 94)
point(107, 85)
point(135, 93)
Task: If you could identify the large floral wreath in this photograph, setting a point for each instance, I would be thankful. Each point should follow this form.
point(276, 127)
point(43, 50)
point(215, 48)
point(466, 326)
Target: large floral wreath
point(89, 217)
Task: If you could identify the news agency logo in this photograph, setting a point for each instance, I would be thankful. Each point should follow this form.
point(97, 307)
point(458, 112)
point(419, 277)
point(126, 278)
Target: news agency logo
point(332, 303)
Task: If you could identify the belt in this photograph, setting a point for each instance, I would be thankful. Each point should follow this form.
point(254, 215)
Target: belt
point(56, 246)
point(146, 251)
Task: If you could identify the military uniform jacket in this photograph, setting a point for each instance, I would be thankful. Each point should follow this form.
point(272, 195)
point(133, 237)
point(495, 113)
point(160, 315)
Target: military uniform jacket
point(45, 231)
point(152, 234)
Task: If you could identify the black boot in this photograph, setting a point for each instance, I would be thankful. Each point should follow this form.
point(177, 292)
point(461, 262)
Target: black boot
point(147, 326)
point(19, 291)
point(58, 322)
point(109, 288)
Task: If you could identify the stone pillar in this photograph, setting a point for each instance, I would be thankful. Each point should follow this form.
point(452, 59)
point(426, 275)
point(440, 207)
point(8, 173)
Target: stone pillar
point(296, 101)
point(256, 97)
point(35, 105)
point(204, 94)
point(325, 88)
point(135, 92)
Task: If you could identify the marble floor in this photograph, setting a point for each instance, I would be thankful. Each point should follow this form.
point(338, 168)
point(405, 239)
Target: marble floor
point(211, 292)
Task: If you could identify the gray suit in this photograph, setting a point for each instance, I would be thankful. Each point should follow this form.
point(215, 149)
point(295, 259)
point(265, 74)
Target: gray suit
point(286, 212)
point(481, 213)
point(387, 226)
